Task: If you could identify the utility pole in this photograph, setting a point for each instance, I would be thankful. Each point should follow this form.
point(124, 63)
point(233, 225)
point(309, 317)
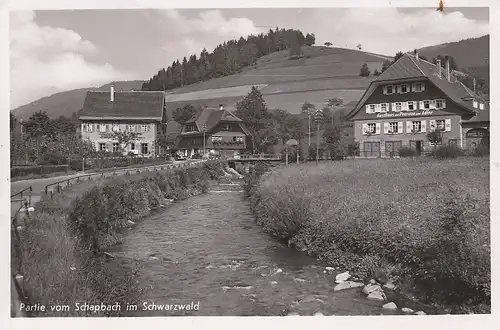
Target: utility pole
point(317, 118)
point(204, 140)
point(182, 76)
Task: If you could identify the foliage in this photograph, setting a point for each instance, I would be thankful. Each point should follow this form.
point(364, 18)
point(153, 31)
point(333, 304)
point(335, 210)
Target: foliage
point(227, 58)
point(385, 65)
point(480, 151)
point(187, 112)
point(407, 152)
point(364, 71)
point(328, 44)
point(397, 56)
point(375, 226)
point(447, 151)
point(123, 138)
point(376, 72)
point(453, 62)
point(39, 170)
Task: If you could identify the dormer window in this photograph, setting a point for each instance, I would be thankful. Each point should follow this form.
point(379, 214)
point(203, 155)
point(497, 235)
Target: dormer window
point(474, 104)
point(418, 87)
point(481, 106)
point(226, 127)
point(389, 89)
point(404, 89)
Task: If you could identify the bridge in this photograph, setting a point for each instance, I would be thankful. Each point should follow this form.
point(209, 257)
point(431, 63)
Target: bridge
point(256, 158)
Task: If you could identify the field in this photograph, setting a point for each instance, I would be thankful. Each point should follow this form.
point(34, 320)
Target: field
point(423, 223)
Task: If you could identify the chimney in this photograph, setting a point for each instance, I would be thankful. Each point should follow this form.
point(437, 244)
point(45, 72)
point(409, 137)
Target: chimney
point(448, 73)
point(416, 54)
point(112, 94)
point(438, 67)
point(221, 107)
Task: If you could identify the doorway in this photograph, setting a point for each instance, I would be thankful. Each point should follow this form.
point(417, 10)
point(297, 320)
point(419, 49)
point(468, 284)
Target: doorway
point(417, 146)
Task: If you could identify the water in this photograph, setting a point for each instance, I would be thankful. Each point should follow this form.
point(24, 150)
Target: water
point(208, 249)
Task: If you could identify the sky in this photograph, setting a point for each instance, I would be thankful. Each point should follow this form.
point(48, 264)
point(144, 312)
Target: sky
point(57, 50)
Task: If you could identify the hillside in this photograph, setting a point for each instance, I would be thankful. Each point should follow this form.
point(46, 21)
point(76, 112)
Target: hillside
point(322, 73)
point(468, 53)
point(65, 103)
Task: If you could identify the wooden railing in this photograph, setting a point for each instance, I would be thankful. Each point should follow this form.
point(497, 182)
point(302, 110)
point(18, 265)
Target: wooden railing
point(261, 157)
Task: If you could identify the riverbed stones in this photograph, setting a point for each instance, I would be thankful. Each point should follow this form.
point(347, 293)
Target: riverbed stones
point(342, 277)
point(389, 285)
point(329, 269)
point(369, 288)
point(407, 310)
point(347, 285)
point(390, 306)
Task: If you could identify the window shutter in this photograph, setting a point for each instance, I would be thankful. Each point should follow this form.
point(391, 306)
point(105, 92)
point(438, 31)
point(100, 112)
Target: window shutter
point(386, 128)
point(447, 125)
point(398, 88)
point(423, 86)
point(377, 108)
point(404, 106)
point(432, 104)
point(423, 124)
point(413, 87)
point(384, 88)
point(421, 105)
point(393, 104)
point(400, 127)
point(432, 124)
point(365, 128)
point(377, 128)
point(367, 108)
point(408, 126)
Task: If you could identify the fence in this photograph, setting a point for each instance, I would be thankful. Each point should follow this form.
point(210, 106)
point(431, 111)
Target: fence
point(257, 157)
point(59, 185)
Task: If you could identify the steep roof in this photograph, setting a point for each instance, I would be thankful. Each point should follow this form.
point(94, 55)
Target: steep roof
point(133, 104)
point(409, 67)
point(211, 117)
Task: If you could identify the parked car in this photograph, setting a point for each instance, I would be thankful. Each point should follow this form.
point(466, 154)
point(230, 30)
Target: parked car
point(179, 157)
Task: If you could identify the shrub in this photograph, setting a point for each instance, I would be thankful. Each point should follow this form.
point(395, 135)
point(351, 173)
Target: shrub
point(407, 152)
point(447, 151)
point(480, 151)
point(39, 170)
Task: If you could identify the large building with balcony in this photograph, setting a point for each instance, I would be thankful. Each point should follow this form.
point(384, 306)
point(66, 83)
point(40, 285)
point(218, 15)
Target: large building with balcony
point(218, 131)
point(411, 98)
point(107, 114)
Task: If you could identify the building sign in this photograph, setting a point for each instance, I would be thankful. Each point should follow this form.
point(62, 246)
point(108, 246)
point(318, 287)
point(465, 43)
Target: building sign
point(405, 114)
point(477, 132)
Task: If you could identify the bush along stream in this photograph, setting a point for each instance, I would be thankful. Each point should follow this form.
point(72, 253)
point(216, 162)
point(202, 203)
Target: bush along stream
point(441, 264)
point(61, 252)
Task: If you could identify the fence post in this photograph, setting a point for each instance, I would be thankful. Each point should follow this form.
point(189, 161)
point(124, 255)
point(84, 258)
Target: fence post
point(51, 195)
point(58, 188)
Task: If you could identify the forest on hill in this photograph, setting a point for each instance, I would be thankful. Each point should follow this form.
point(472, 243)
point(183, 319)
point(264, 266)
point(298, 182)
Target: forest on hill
point(228, 58)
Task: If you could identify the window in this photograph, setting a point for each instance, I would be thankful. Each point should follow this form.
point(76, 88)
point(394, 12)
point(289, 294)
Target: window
point(417, 126)
point(115, 147)
point(372, 108)
point(389, 89)
point(90, 127)
point(145, 128)
point(371, 149)
point(411, 105)
point(226, 127)
point(190, 128)
point(238, 138)
point(474, 104)
point(131, 128)
point(132, 146)
point(481, 106)
point(144, 148)
point(392, 147)
point(404, 88)
point(398, 106)
point(101, 127)
point(384, 107)
point(107, 128)
point(440, 124)
point(216, 138)
point(116, 128)
point(372, 128)
point(418, 87)
point(393, 127)
point(427, 104)
point(102, 146)
point(439, 104)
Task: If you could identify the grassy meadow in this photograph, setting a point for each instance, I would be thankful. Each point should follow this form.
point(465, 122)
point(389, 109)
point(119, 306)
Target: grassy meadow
point(423, 223)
